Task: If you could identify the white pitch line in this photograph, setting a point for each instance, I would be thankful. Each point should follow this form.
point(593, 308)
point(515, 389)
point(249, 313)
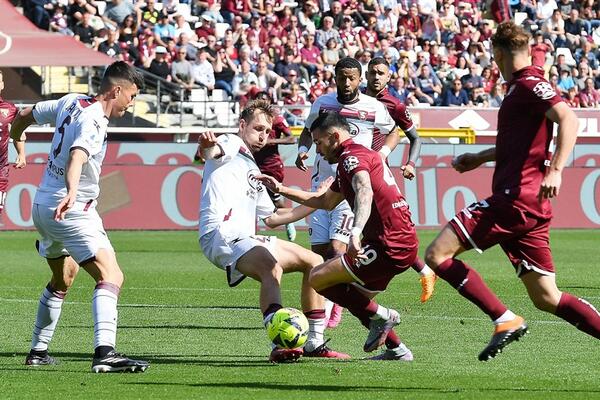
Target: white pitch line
point(191, 306)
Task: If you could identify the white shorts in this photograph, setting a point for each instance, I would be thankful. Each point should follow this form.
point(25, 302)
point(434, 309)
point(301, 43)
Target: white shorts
point(80, 235)
point(224, 252)
point(325, 226)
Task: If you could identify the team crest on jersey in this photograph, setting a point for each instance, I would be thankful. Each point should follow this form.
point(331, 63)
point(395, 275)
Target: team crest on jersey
point(362, 115)
point(4, 112)
point(353, 129)
point(544, 91)
point(350, 163)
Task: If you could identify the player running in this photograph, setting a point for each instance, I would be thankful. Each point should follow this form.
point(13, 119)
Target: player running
point(389, 245)
point(231, 201)
point(329, 230)
point(64, 212)
point(378, 76)
point(518, 213)
point(8, 112)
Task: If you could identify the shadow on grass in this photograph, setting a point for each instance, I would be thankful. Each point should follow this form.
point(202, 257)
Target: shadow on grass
point(188, 306)
point(580, 287)
point(347, 388)
point(199, 327)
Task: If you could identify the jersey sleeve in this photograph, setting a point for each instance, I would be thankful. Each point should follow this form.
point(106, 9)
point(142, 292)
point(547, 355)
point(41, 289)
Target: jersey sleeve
point(544, 96)
point(355, 162)
point(45, 112)
point(230, 145)
point(313, 114)
point(264, 205)
point(402, 117)
point(383, 120)
point(90, 138)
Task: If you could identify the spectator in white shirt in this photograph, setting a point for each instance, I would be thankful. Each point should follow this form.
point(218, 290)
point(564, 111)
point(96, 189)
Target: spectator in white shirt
point(203, 72)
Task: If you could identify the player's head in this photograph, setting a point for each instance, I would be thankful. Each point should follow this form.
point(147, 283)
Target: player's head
point(120, 83)
point(256, 121)
point(328, 131)
point(378, 75)
point(510, 42)
point(347, 78)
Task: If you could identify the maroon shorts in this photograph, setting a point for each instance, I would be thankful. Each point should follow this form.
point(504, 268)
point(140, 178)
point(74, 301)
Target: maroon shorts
point(524, 237)
point(376, 272)
point(274, 169)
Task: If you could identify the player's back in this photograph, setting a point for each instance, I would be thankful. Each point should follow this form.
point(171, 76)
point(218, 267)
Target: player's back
point(80, 124)
point(231, 198)
point(523, 140)
point(390, 220)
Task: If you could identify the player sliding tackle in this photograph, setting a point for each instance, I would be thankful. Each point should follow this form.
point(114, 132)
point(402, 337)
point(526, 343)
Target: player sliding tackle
point(517, 215)
point(231, 201)
point(389, 242)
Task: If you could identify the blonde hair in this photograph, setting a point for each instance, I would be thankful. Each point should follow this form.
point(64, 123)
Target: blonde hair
point(511, 37)
point(258, 106)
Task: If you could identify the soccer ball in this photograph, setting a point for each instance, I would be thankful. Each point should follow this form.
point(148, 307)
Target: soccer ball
point(288, 328)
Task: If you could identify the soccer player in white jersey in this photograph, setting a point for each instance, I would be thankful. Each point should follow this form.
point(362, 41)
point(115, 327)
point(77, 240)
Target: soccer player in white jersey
point(231, 201)
point(368, 118)
point(64, 212)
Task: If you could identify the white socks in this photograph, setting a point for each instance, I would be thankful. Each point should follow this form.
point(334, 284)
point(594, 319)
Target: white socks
point(48, 313)
point(426, 271)
point(382, 312)
point(316, 328)
point(507, 316)
point(104, 312)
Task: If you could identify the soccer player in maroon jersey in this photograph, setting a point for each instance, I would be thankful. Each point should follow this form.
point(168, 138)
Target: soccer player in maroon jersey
point(378, 77)
point(389, 242)
point(269, 161)
point(518, 213)
point(8, 111)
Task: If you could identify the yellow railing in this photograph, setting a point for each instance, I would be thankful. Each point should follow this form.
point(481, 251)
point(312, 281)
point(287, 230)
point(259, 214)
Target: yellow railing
point(467, 135)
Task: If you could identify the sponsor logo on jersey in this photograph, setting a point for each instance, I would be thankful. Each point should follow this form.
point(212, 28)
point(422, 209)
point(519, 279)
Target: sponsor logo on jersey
point(255, 185)
point(350, 163)
point(544, 91)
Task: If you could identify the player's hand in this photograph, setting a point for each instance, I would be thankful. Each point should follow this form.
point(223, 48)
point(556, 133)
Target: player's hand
point(408, 171)
point(207, 139)
point(355, 251)
point(65, 205)
point(550, 186)
point(300, 161)
point(20, 162)
point(466, 162)
point(271, 183)
point(325, 185)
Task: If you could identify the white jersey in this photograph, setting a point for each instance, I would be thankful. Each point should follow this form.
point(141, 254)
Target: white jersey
point(231, 198)
point(80, 124)
point(366, 117)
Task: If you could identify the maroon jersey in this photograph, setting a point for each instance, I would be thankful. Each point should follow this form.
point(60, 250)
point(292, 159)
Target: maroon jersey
point(8, 111)
point(268, 158)
point(399, 113)
point(389, 225)
point(523, 141)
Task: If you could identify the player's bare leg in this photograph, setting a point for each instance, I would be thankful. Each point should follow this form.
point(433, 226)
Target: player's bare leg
point(109, 279)
point(64, 270)
point(546, 296)
point(333, 249)
point(333, 281)
point(440, 256)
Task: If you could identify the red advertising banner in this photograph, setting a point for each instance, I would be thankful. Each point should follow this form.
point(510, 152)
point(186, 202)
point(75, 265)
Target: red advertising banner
point(155, 186)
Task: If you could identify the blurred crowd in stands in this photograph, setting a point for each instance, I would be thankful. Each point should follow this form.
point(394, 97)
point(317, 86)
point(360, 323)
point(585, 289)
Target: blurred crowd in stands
point(439, 51)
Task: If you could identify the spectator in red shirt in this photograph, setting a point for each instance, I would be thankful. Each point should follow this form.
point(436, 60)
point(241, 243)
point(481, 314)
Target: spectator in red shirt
point(539, 49)
point(311, 55)
point(368, 36)
point(572, 99)
point(294, 116)
point(412, 22)
point(589, 97)
point(256, 29)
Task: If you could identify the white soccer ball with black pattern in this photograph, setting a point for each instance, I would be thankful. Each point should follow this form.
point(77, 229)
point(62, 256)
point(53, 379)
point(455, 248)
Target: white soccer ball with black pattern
point(288, 328)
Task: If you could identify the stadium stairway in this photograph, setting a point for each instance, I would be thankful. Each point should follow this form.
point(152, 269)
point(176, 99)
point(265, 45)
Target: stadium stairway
point(61, 80)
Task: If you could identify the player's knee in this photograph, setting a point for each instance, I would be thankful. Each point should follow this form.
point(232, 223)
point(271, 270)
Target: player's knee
point(545, 302)
point(432, 256)
point(316, 280)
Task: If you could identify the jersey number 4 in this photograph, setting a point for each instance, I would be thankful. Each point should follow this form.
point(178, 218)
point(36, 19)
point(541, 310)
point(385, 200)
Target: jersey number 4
point(61, 130)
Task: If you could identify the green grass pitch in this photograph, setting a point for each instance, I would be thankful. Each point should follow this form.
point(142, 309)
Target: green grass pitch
point(206, 341)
